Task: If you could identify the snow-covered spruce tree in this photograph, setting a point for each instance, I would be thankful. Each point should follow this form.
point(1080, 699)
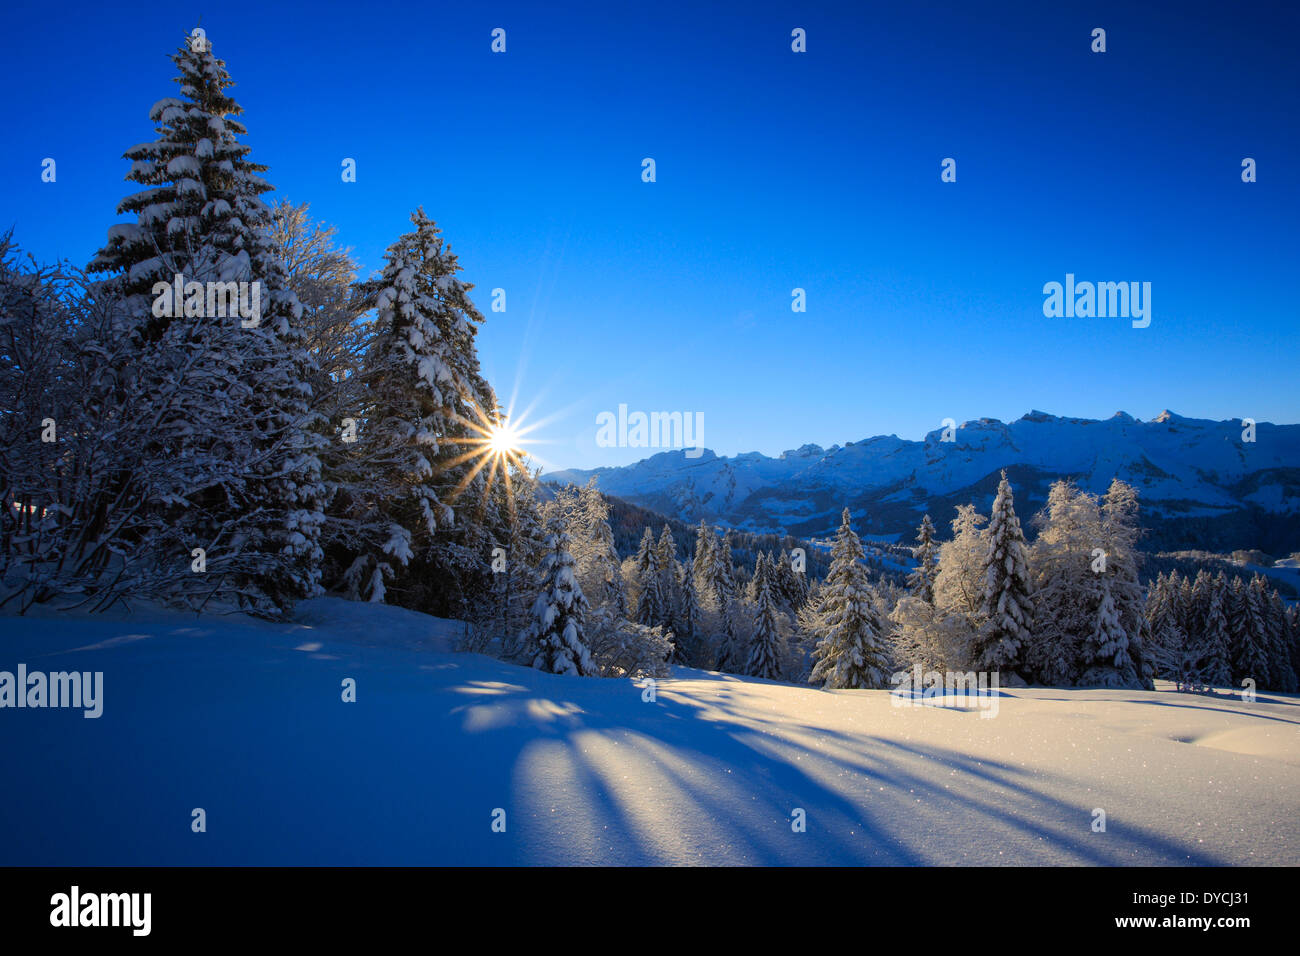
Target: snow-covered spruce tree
point(225, 393)
point(650, 610)
point(1292, 639)
point(454, 571)
point(722, 575)
point(1106, 657)
point(703, 545)
point(852, 638)
point(1189, 604)
point(554, 638)
point(687, 645)
point(599, 566)
point(926, 552)
point(1280, 666)
point(1210, 644)
point(1006, 606)
point(1162, 615)
point(1268, 637)
point(714, 589)
point(669, 586)
point(1247, 653)
point(639, 562)
point(1158, 607)
point(1120, 532)
point(412, 460)
point(765, 647)
point(1168, 651)
point(791, 585)
point(730, 654)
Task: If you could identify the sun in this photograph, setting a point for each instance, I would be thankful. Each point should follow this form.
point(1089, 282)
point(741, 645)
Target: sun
point(502, 440)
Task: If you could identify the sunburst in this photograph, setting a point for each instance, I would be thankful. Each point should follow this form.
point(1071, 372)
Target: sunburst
point(494, 443)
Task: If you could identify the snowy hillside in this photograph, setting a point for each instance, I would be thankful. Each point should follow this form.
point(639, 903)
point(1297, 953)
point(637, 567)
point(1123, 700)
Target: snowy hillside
point(1201, 484)
point(245, 720)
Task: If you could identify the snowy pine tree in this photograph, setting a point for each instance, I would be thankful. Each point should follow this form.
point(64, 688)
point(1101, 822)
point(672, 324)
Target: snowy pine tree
point(407, 465)
point(1006, 606)
point(650, 609)
point(1279, 666)
point(1210, 644)
point(554, 639)
point(765, 645)
point(921, 580)
point(1120, 532)
point(599, 563)
point(687, 650)
point(1106, 658)
point(669, 586)
point(219, 370)
point(852, 637)
point(1247, 637)
point(720, 585)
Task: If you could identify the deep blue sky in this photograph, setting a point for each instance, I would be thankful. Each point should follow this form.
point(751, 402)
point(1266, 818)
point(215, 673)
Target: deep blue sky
point(775, 170)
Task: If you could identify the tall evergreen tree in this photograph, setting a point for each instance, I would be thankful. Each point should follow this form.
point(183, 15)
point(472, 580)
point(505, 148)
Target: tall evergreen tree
point(226, 393)
point(1211, 643)
point(1106, 658)
point(722, 584)
point(926, 552)
point(410, 466)
point(852, 642)
point(690, 616)
point(554, 639)
point(645, 554)
point(703, 545)
point(1247, 644)
point(600, 562)
point(650, 609)
point(1280, 666)
point(1292, 639)
point(1006, 607)
point(669, 586)
point(765, 646)
point(1120, 532)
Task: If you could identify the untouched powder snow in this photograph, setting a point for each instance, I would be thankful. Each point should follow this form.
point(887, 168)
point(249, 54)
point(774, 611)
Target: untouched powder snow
point(245, 719)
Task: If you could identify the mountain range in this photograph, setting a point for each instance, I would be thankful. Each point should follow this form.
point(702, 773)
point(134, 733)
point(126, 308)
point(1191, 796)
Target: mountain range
point(1203, 484)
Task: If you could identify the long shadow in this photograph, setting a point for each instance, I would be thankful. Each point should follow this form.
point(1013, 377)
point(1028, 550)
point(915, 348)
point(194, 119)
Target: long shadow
point(742, 748)
point(902, 778)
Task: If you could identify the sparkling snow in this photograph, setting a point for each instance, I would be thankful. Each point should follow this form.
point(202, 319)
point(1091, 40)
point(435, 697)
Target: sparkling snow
point(244, 719)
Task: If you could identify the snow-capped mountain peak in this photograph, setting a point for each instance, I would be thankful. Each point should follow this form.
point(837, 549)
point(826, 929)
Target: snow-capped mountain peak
point(1202, 483)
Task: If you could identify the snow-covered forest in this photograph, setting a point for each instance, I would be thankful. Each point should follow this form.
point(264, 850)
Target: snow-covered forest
point(160, 445)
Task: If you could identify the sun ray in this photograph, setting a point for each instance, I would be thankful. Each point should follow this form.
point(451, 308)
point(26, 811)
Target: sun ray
point(489, 440)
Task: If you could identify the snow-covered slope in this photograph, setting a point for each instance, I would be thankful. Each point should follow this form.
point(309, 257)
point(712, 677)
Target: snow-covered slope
point(1197, 478)
point(245, 720)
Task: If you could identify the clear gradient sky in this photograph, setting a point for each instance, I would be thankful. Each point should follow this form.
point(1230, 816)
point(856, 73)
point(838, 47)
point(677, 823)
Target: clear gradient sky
point(775, 170)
